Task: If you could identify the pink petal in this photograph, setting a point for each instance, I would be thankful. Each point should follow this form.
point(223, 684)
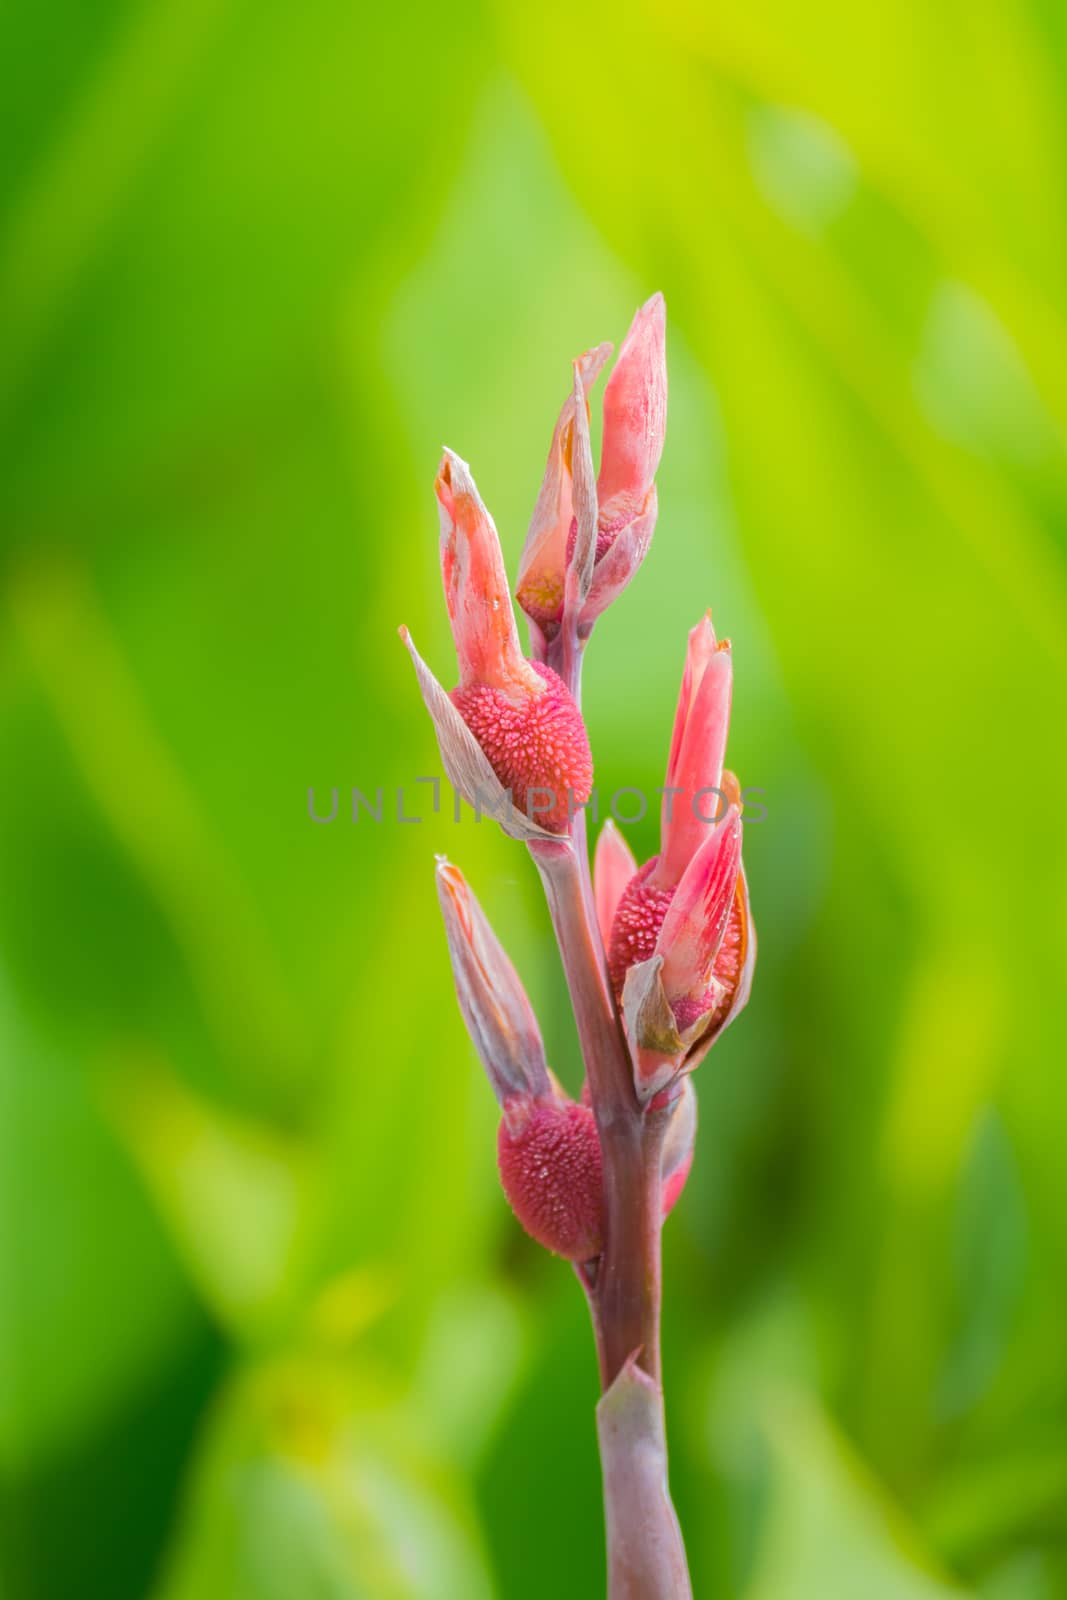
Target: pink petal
point(696, 919)
point(476, 584)
point(742, 990)
point(635, 408)
point(698, 747)
point(583, 487)
point(613, 867)
point(677, 1157)
point(701, 646)
point(628, 548)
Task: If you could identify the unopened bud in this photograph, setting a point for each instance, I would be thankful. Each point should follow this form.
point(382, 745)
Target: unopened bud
point(551, 1170)
point(519, 714)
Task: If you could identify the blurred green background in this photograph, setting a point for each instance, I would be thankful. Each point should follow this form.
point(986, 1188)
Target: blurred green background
point(267, 1329)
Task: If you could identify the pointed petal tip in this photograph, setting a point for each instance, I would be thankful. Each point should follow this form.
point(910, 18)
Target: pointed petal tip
point(614, 865)
point(453, 477)
point(596, 356)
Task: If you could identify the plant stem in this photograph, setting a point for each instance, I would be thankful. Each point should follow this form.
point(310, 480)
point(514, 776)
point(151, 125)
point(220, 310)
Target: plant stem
point(646, 1558)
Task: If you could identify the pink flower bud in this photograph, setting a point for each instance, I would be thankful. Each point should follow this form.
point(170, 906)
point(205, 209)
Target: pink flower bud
point(547, 1147)
point(635, 415)
point(694, 765)
point(635, 424)
point(670, 1034)
point(613, 867)
point(685, 926)
point(536, 744)
point(542, 566)
point(551, 1170)
point(681, 946)
point(520, 714)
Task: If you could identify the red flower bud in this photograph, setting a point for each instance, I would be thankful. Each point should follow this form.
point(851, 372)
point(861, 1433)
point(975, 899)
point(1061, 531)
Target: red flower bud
point(523, 726)
point(548, 1148)
point(681, 929)
point(521, 713)
point(535, 742)
point(550, 1167)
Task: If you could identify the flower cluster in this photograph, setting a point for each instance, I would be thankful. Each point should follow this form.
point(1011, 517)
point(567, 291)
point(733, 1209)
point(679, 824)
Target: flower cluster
point(676, 943)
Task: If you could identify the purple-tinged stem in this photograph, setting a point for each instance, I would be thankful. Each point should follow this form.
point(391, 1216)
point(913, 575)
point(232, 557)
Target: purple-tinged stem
point(646, 1557)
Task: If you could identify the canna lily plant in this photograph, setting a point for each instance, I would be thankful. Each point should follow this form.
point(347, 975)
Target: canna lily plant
point(658, 958)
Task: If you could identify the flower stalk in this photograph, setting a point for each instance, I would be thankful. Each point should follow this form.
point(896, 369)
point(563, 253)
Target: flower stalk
point(657, 958)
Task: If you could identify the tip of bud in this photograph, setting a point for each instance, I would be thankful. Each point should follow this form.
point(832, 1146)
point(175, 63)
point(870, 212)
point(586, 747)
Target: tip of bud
point(454, 474)
point(491, 998)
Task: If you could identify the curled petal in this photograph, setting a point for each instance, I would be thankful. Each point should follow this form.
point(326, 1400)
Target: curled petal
point(698, 746)
point(656, 1046)
point(678, 1145)
point(476, 584)
point(580, 562)
point(695, 923)
point(465, 762)
point(624, 554)
point(700, 648)
point(613, 867)
point(733, 997)
point(635, 408)
point(544, 556)
point(499, 1017)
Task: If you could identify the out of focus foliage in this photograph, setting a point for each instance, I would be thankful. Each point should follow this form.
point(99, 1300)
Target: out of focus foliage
point(266, 1327)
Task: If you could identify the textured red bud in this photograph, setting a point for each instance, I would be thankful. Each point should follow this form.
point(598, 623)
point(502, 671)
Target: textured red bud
point(700, 939)
point(550, 1167)
point(635, 928)
point(533, 741)
point(687, 906)
point(521, 714)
